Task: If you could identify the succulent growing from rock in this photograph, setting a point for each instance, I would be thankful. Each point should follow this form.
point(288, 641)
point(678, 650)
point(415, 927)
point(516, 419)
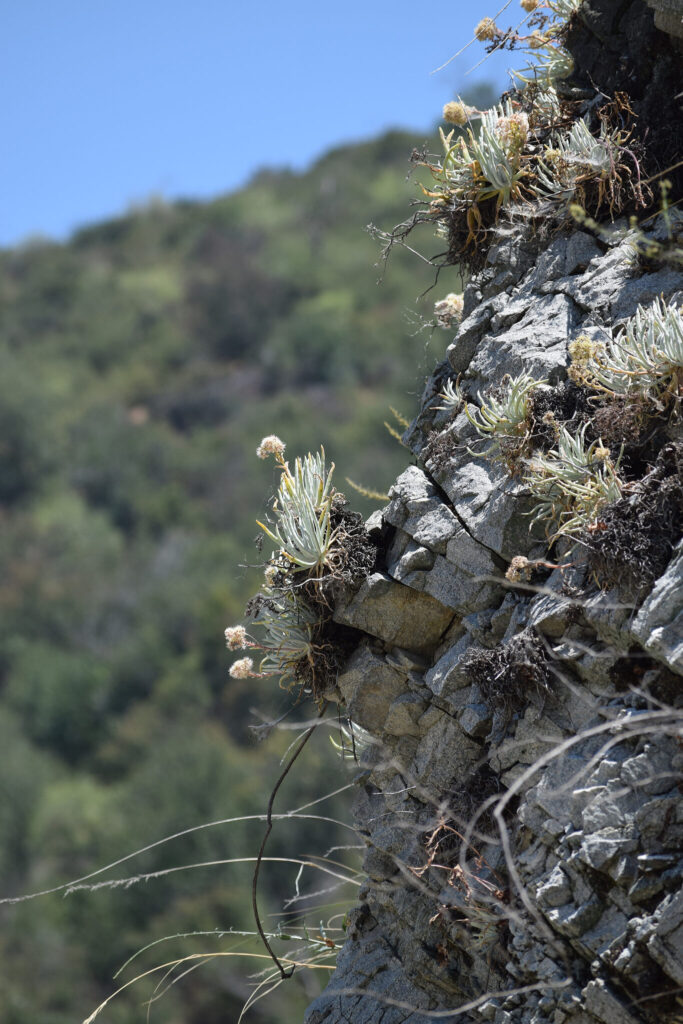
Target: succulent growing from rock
point(572, 482)
point(550, 61)
point(497, 151)
point(289, 636)
point(644, 358)
point(575, 156)
point(503, 416)
point(452, 397)
point(303, 530)
point(487, 165)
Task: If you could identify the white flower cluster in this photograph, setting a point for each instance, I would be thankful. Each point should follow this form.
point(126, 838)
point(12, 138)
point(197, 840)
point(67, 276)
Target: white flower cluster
point(242, 669)
point(513, 131)
point(236, 638)
point(271, 445)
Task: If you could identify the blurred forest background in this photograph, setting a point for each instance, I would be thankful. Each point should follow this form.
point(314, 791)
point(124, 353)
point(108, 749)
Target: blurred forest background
point(140, 364)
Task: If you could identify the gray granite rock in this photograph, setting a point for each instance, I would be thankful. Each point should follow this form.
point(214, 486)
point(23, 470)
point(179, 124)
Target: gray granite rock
point(493, 509)
point(659, 623)
point(419, 511)
point(604, 278)
point(403, 715)
point(369, 987)
point(369, 685)
point(444, 754)
point(461, 351)
point(555, 891)
point(449, 673)
point(666, 943)
point(536, 343)
point(414, 558)
point(394, 613)
point(605, 1006)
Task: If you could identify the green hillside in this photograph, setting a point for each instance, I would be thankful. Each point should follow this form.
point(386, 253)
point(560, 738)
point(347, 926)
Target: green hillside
point(140, 365)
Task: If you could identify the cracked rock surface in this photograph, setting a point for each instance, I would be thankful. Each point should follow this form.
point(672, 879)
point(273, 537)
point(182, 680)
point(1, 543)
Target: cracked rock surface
point(520, 794)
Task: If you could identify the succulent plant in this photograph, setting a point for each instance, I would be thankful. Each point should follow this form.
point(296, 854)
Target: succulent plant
point(289, 626)
point(550, 62)
point(506, 417)
point(452, 396)
point(645, 358)
point(572, 483)
point(564, 8)
point(448, 311)
point(545, 105)
point(485, 165)
point(303, 530)
point(577, 155)
point(497, 151)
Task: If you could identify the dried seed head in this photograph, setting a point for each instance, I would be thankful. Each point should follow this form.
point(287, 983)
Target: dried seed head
point(578, 374)
point(235, 638)
point(242, 669)
point(448, 311)
point(549, 419)
point(582, 349)
point(536, 40)
point(271, 445)
point(601, 454)
point(455, 113)
point(529, 5)
point(519, 570)
point(486, 30)
point(271, 574)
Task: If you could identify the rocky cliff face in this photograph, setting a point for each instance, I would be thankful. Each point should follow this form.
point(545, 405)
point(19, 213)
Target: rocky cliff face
point(519, 794)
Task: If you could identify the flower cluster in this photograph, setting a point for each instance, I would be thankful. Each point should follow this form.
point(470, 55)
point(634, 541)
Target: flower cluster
point(455, 112)
point(448, 311)
point(271, 445)
point(513, 131)
point(519, 570)
point(486, 30)
point(583, 352)
point(270, 574)
point(236, 638)
point(243, 669)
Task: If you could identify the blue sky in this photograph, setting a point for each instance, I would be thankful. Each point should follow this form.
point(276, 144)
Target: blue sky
point(110, 102)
